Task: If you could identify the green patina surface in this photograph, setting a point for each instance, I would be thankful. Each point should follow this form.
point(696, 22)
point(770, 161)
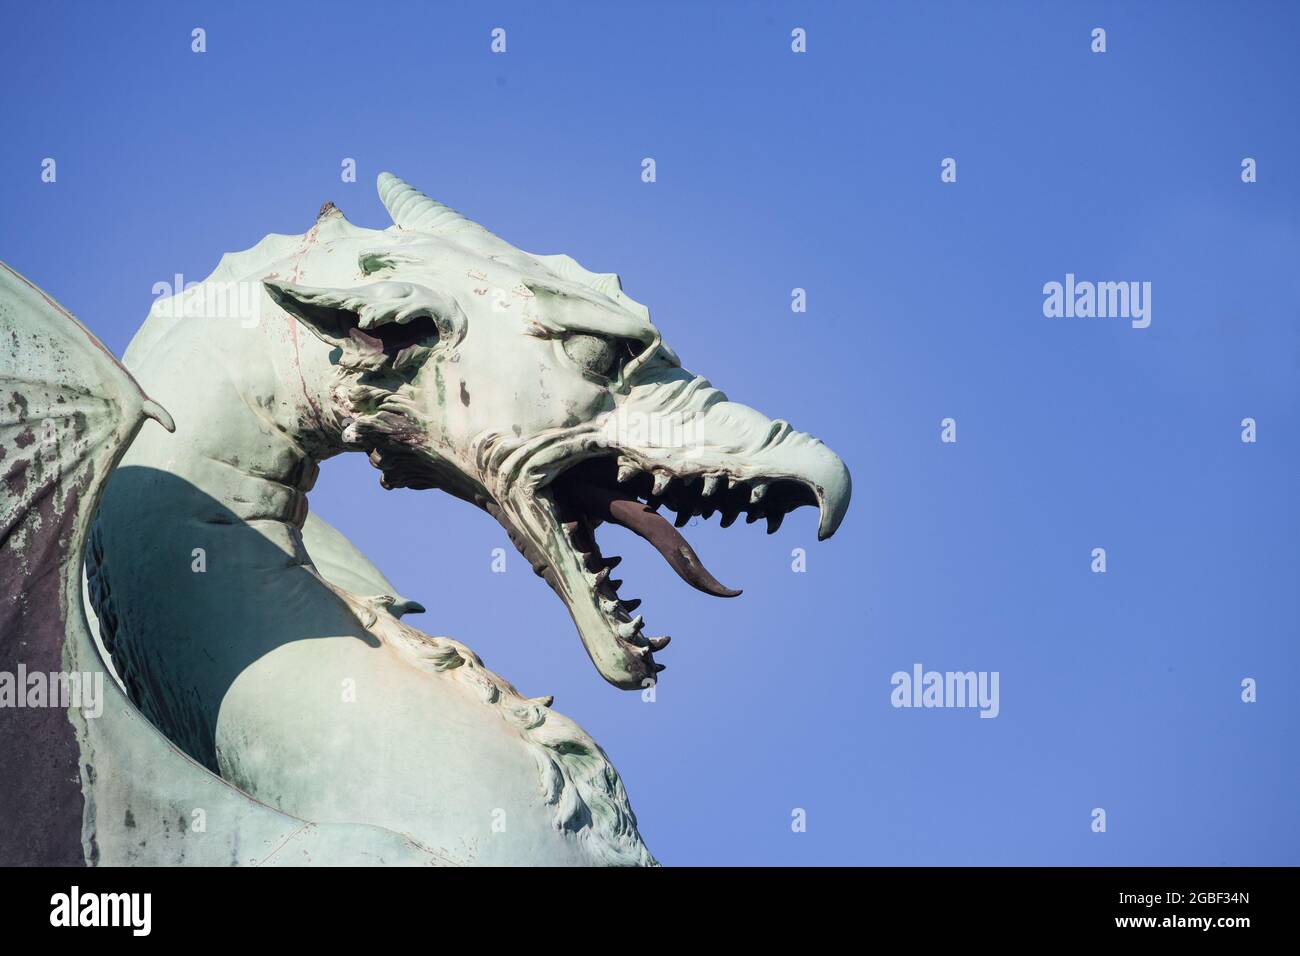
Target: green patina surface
point(278, 687)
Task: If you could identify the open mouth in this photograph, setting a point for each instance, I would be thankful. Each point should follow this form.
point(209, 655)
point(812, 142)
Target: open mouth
point(557, 532)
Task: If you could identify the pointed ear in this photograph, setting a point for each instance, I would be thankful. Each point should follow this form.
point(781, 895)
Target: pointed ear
point(376, 327)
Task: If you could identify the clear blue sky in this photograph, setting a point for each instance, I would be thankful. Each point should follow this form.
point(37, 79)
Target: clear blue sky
point(775, 170)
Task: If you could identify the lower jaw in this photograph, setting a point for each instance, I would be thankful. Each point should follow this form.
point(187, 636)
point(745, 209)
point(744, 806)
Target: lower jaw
point(627, 667)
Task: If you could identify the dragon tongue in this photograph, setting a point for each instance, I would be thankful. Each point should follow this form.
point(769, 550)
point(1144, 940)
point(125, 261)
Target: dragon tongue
point(624, 509)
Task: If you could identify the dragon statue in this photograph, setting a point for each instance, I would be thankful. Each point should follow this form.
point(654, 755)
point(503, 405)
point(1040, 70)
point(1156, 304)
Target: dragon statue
point(263, 700)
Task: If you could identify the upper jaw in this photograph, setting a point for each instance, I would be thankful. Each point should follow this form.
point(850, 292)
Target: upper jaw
point(803, 471)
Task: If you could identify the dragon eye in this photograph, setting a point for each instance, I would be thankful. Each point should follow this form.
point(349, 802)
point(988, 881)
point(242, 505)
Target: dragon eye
point(593, 354)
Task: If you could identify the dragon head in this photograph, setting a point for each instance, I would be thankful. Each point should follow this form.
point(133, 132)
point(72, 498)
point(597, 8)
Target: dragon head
point(542, 393)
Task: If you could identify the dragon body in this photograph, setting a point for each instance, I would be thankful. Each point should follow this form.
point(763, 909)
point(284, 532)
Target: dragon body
point(257, 654)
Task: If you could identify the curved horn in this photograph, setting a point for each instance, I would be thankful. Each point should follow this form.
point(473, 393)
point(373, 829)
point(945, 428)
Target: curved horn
point(412, 209)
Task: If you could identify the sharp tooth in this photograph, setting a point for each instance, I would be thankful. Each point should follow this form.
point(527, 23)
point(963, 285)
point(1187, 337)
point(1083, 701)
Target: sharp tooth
point(753, 516)
point(662, 481)
point(732, 482)
point(683, 516)
point(613, 562)
point(707, 513)
point(615, 583)
point(710, 485)
point(626, 470)
point(659, 643)
point(629, 629)
point(546, 701)
point(728, 517)
point(760, 489)
point(631, 605)
point(660, 668)
point(774, 521)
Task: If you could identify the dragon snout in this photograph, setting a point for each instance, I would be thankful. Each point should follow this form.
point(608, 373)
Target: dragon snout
point(731, 442)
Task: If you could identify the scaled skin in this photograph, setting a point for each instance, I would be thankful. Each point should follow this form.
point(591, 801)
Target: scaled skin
point(454, 361)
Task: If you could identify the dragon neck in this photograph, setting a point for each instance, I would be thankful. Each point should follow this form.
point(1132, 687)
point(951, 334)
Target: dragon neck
point(254, 419)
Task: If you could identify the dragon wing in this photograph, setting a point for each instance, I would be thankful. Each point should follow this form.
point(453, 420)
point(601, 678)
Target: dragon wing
point(84, 777)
